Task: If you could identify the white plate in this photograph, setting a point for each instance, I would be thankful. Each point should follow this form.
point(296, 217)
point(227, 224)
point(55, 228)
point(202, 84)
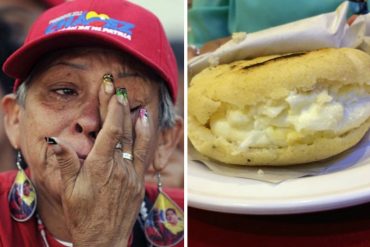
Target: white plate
point(337, 189)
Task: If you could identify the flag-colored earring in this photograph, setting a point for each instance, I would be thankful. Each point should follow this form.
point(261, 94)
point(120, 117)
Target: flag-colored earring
point(164, 225)
point(22, 196)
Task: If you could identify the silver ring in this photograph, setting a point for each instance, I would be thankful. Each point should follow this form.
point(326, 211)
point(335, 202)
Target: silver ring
point(118, 146)
point(127, 156)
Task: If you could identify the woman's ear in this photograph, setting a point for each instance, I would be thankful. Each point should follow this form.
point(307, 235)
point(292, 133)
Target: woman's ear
point(11, 119)
point(168, 140)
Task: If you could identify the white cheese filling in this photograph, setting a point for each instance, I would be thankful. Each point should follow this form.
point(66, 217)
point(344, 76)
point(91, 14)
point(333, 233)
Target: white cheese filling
point(295, 120)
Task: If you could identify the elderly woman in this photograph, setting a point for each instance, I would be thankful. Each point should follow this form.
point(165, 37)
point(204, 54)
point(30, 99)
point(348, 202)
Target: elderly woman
point(92, 110)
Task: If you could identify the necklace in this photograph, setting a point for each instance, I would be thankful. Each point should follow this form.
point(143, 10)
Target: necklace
point(143, 214)
point(41, 227)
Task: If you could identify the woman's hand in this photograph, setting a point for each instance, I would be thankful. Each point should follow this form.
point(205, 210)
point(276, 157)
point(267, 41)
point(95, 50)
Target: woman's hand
point(102, 196)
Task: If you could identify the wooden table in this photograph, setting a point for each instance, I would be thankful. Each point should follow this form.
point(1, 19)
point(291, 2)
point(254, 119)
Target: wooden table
point(349, 227)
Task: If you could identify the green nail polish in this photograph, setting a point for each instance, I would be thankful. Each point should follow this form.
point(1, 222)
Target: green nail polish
point(122, 95)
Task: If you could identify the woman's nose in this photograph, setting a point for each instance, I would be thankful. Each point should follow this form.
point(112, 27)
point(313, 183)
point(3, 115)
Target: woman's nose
point(88, 121)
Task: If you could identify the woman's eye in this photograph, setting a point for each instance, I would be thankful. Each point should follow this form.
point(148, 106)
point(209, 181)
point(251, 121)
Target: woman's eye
point(132, 110)
point(66, 91)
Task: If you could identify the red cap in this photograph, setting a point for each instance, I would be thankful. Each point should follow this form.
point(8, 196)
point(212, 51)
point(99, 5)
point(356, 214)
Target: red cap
point(52, 3)
point(117, 24)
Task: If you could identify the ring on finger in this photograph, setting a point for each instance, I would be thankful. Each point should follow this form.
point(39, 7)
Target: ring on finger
point(127, 156)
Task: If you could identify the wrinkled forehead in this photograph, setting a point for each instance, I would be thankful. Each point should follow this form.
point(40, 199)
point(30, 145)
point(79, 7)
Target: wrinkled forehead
point(119, 61)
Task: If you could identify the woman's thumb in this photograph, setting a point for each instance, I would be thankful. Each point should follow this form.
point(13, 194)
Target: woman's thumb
point(68, 162)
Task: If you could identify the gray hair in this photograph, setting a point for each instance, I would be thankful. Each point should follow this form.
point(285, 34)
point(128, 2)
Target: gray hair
point(22, 92)
point(167, 112)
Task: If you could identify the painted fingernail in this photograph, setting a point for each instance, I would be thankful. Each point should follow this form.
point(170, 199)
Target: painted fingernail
point(122, 95)
point(108, 77)
point(108, 83)
point(108, 87)
point(144, 116)
point(51, 140)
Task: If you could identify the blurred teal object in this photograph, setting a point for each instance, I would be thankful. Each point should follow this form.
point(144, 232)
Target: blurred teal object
point(359, 7)
point(213, 19)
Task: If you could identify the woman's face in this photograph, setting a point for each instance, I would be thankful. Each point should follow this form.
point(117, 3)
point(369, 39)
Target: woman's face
point(64, 101)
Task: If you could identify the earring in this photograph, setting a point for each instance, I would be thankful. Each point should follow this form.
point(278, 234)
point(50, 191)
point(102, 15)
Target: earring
point(22, 196)
point(164, 225)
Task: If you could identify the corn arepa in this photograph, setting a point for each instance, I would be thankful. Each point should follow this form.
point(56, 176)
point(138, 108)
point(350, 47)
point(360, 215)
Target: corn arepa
point(282, 109)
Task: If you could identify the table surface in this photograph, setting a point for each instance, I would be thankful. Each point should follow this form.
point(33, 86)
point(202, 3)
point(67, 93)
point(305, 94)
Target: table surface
point(349, 227)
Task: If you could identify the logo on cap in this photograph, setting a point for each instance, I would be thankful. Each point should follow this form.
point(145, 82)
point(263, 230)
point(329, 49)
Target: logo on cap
point(91, 21)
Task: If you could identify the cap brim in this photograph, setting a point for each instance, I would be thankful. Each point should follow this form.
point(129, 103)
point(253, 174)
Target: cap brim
point(20, 63)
